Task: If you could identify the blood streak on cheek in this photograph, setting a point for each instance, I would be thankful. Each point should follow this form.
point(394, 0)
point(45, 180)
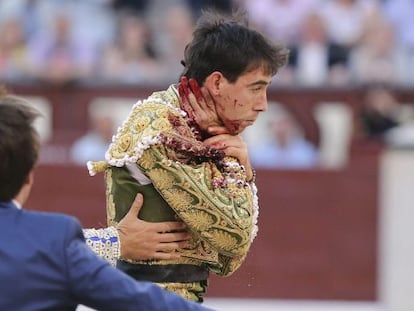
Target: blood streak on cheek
point(233, 126)
point(236, 103)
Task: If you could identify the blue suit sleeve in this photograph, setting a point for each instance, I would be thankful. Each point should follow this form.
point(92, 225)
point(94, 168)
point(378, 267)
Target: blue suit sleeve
point(95, 283)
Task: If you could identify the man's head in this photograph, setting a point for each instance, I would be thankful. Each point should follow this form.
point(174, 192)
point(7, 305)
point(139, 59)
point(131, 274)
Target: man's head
point(226, 44)
point(19, 145)
point(236, 64)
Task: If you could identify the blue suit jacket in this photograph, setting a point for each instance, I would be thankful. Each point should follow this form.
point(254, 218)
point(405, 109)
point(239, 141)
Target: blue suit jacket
point(45, 265)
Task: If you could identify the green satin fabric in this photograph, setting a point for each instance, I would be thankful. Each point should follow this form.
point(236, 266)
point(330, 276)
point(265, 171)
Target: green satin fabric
point(124, 189)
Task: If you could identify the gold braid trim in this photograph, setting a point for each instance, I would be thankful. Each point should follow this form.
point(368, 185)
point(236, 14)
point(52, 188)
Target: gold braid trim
point(221, 217)
point(190, 291)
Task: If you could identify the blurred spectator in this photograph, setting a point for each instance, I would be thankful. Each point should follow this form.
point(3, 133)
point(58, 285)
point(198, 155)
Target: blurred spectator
point(380, 112)
point(33, 14)
point(400, 14)
point(377, 58)
point(280, 20)
point(174, 33)
point(287, 149)
point(93, 145)
point(59, 57)
point(13, 50)
point(135, 6)
point(315, 58)
point(312, 53)
point(386, 120)
point(131, 58)
point(344, 20)
point(102, 31)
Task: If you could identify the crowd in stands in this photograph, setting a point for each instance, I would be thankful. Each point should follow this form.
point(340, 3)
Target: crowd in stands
point(332, 42)
point(285, 146)
point(95, 41)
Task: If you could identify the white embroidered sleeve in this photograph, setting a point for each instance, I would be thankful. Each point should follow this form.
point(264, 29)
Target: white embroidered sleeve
point(104, 242)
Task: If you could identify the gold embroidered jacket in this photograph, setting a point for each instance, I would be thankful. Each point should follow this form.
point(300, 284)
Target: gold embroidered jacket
point(221, 219)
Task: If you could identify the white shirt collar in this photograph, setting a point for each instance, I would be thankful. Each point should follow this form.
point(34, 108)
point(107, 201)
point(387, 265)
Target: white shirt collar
point(17, 204)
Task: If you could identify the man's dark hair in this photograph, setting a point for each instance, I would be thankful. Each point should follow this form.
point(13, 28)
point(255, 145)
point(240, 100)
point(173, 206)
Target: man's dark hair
point(226, 44)
point(19, 144)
